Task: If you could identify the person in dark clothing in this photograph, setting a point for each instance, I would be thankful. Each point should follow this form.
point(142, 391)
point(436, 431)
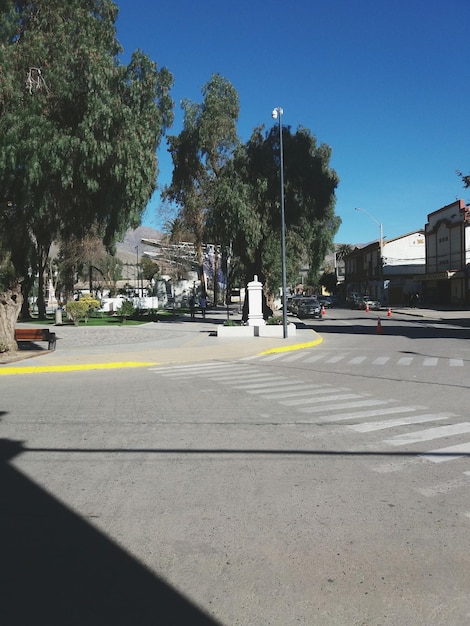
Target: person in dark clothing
point(192, 306)
point(203, 305)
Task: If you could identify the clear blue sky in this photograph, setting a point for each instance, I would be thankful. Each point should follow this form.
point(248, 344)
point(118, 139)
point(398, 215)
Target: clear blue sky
point(385, 83)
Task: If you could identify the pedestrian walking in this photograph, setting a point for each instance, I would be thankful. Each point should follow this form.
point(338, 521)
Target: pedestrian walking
point(192, 306)
point(203, 305)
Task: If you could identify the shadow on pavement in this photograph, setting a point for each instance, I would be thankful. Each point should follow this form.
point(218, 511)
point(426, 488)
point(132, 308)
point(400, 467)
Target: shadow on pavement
point(418, 329)
point(58, 570)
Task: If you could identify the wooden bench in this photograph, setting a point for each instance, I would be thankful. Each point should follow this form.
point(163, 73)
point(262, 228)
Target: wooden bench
point(36, 334)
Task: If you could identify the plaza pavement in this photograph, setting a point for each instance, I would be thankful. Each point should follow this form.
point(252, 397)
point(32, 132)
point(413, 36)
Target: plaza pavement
point(178, 340)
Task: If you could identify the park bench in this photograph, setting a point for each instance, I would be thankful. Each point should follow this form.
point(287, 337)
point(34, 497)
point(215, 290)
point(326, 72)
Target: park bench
point(36, 334)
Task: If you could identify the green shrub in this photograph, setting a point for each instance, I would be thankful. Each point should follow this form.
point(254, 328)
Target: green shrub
point(126, 310)
point(274, 321)
point(81, 309)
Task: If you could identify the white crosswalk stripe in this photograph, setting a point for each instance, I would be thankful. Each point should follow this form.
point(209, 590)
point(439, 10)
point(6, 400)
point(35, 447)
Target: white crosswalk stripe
point(344, 405)
point(286, 390)
point(357, 360)
point(368, 427)
point(405, 360)
point(341, 417)
point(329, 404)
point(381, 360)
point(450, 453)
point(307, 357)
point(430, 361)
point(319, 396)
point(429, 434)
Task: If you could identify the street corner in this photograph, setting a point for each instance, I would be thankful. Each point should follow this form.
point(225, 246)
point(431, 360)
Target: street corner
point(296, 346)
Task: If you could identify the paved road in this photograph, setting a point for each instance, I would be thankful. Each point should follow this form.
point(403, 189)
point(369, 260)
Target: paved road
point(227, 487)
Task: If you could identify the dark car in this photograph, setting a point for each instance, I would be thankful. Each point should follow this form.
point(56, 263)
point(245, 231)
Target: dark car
point(309, 307)
point(326, 301)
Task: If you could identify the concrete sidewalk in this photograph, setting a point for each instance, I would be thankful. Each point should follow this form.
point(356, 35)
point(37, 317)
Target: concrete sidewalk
point(459, 317)
point(178, 340)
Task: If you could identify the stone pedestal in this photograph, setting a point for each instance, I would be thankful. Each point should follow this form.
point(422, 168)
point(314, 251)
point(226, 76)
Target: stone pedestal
point(255, 303)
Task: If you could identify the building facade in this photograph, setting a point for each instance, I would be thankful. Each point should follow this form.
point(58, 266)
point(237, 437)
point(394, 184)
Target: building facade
point(391, 273)
point(447, 231)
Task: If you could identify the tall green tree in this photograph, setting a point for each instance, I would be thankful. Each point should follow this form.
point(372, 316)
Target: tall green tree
point(78, 129)
point(248, 204)
point(199, 153)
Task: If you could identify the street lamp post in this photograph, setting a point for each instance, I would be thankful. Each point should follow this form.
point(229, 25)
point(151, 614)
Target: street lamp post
point(137, 270)
point(380, 246)
point(277, 114)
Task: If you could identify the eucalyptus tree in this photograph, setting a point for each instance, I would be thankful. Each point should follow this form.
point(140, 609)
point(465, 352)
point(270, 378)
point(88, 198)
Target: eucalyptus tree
point(248, 204)
point(199, 153)
point(78, 129)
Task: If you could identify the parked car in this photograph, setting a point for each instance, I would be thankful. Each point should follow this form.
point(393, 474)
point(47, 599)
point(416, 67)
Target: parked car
point(309, 307)
point(367, 302)
point(293, 306)
point(326, 301)
point(353, 299)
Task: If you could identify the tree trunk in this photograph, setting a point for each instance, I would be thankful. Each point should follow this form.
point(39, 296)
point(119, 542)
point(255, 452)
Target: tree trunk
point(26, 287)
point(10, 306)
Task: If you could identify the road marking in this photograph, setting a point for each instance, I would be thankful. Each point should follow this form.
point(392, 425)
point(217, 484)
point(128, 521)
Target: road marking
point(329, 398)
point(272, 357)
point(293, 389)
point(315, 357)
point(381, 360)
point(248, 376)
point(293, 392)
point(456, 362)
point(430, 361)
point(405, 360)
point(368, 427)
point(372, 413)
point(357, 360)
point(264, 386)
point(447, 453)
point(43, 369)
point(335, 359)
point(344, 405)
point(294, 357)
point(428, 434)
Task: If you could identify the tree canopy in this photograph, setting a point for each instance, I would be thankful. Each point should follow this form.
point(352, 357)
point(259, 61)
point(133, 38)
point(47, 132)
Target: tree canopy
point(199, 153)
point(248, 203)
point(78, 130)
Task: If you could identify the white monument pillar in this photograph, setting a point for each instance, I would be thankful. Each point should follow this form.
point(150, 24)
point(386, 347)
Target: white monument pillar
point(255, 303)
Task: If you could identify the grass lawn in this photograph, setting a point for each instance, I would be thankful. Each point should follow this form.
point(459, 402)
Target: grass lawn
point(108, 320)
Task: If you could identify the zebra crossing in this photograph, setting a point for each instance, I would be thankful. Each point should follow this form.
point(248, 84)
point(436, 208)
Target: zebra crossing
point(380, 422)
point(326, 357)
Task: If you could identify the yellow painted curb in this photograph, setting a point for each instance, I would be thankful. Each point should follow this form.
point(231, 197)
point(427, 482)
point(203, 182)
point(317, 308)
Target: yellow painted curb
point(73, 368)
point(296, 346)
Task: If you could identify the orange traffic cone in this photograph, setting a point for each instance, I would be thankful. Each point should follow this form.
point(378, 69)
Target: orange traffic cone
point(367, 307)
point(323, 312)
point(379, 325)
point(389, 312)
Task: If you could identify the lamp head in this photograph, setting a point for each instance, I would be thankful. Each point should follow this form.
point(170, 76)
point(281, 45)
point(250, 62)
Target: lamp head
point(274, 114)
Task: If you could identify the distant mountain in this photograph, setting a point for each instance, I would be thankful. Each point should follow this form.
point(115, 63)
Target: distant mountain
point(126, 249)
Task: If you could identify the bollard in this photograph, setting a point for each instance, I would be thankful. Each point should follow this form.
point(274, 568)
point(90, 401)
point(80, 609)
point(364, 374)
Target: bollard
point(58, 317)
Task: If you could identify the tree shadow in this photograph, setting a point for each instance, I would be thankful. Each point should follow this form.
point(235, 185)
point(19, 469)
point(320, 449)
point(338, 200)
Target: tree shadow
point(58, 570)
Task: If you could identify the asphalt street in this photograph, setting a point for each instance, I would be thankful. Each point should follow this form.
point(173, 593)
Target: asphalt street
point(160, 475)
